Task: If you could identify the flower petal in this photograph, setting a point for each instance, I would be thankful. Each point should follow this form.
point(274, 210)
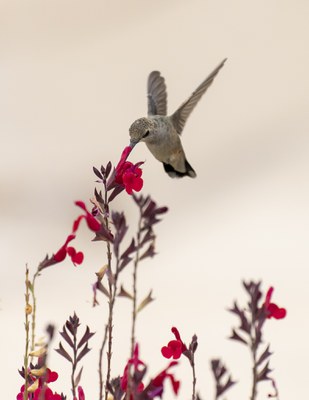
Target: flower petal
point(166, 352)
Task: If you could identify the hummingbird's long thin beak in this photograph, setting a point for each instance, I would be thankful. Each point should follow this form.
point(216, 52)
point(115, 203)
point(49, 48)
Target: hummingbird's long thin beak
point(133, 142)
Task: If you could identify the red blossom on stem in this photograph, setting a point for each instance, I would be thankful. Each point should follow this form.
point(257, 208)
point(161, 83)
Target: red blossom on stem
point(272, 310)
point(136, 363)
point(93, 224)
point(174, 348)
point(128, 174)
point(77, 257)
point(158, 381)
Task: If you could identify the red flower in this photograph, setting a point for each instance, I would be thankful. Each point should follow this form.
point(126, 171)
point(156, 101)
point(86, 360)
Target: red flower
point(158, 381)
point(136, 362)
point(76, 257)
point(174, 348)
point(272, 310)
point(81, 394)
point(93, 223)
point(128, 174)
point(43, 392)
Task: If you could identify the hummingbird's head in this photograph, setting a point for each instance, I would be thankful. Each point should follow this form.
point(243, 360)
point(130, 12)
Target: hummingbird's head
point(141, 130)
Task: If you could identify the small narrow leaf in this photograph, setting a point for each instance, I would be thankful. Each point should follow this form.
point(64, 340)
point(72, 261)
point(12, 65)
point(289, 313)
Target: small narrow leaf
point(66, 337)
point(108, 169)
point(150, 252)
point(266, 354)
point(117, 190)
point(78, 377)
point(87, 336)
point(100, 274)
point(64, 353)
point(225, 387)
point(124, 262)
point(124, 293)
point(129, 250)
point(149, 236)
point(98, 196)
point(97, 172)
point(145, 302)
point(235, 336)
point(263, 374)
point(102, 288)
point(83, 352)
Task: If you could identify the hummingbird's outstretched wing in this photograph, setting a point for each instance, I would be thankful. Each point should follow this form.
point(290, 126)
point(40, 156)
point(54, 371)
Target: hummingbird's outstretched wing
point(156, 93)
point(181, 115)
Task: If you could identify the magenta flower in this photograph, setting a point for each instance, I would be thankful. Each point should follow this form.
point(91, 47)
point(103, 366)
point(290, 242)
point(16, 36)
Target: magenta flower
point(174, 348)
point(272, 310)
point(128, 174)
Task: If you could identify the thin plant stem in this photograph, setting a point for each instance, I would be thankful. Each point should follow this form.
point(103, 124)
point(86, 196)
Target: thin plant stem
point(27, 323)
point(33, 314)
point(112, 283)
point(193, 378)
point(100, 363)
point(136, 260)
point(110, 313)
point(110, 326)
point(74, 364)
point(253, 348)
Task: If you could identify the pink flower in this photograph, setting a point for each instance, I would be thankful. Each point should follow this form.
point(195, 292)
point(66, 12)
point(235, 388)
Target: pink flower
point(174, 348)
point(128, 174)
point(272, 310)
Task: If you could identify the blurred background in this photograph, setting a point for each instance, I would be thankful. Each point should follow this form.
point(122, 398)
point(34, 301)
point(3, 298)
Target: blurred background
point(73, 78)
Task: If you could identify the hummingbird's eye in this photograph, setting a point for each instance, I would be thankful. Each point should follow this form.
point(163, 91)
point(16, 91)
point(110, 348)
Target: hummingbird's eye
point(146, 134)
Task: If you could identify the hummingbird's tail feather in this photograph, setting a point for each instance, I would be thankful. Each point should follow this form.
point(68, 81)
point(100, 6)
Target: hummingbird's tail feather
point(173, 173)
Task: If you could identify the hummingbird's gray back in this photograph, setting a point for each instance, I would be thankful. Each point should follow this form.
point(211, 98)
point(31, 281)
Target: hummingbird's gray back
point(160, 132)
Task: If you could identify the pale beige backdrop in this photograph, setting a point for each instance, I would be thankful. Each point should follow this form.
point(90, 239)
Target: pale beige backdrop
point(72, 79)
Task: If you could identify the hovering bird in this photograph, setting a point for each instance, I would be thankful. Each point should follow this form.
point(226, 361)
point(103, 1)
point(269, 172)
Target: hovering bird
point(161, 132)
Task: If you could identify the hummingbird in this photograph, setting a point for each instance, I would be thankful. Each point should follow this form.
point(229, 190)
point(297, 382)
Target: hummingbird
point(161, 132)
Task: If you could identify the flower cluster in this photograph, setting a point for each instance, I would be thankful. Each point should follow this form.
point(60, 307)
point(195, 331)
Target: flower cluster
point(39, 389)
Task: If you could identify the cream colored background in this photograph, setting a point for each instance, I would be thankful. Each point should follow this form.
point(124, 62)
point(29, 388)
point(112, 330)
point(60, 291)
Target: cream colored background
point(72, 78)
